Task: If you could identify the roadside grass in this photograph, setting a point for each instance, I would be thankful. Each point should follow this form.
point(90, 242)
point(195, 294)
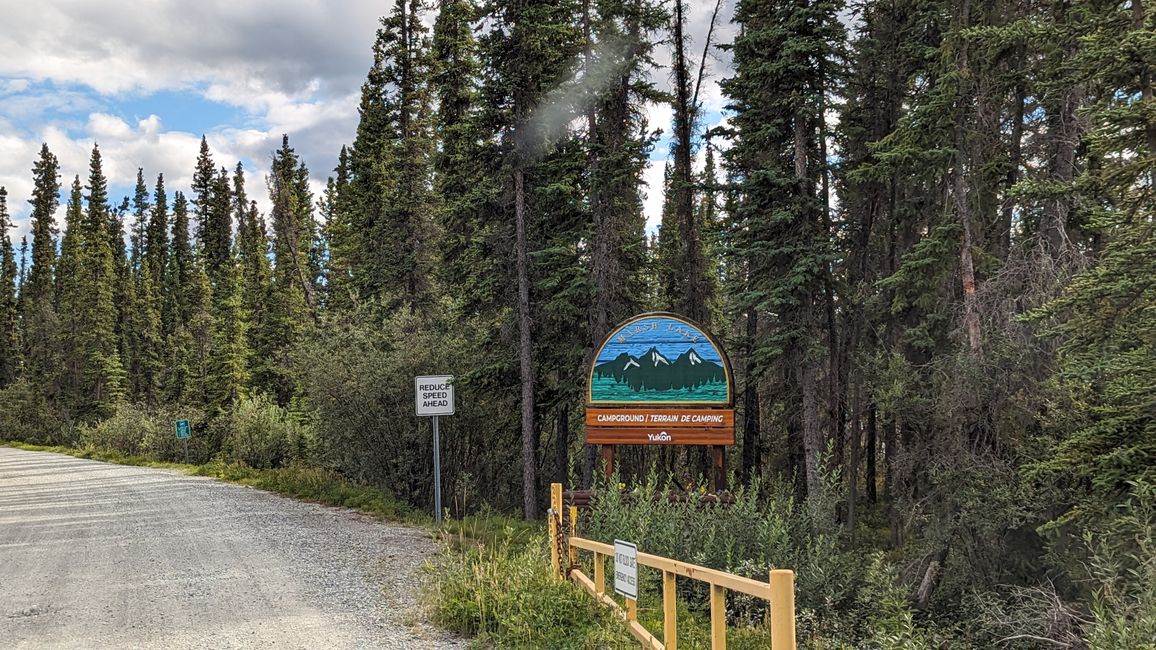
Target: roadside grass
point(299, 482)
point(504, 596)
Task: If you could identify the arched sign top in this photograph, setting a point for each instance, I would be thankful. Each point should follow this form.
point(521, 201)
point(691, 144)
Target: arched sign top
point(660, 359)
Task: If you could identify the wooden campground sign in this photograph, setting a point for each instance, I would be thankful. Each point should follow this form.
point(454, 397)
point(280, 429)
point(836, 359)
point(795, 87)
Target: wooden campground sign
point(660, 379)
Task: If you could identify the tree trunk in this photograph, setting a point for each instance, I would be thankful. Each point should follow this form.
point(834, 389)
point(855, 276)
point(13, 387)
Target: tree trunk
point(966, 263)
point(525, 360)
point(853, 465)
point(691, 264)
point(872, 492)
point(752, 460)
point(563, 444)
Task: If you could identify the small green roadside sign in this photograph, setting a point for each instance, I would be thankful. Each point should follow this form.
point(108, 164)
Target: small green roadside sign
point(183, 430)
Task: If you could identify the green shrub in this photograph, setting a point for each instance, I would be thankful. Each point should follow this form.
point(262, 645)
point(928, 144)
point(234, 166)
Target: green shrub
point(506, 597)
point(1122, 572)
point(137, 431)
point(263, 435)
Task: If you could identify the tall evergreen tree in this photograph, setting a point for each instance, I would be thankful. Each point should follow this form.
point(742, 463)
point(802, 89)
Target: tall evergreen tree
point(293, 294)
point(140, 213)
point(253, 260)
point(390, 163)
point(212, 210)
point(530, 49)
point(781, 56)
point(38, 300)
point(103, 371)
point(10, 353)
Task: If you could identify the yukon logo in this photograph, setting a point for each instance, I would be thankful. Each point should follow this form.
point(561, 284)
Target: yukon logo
point(658, 437)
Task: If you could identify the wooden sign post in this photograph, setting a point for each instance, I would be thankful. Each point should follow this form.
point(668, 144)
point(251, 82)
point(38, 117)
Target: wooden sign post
point(661, 379)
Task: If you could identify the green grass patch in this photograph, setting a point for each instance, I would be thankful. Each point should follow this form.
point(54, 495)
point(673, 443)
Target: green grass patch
point(506, 597)
point(299, 482)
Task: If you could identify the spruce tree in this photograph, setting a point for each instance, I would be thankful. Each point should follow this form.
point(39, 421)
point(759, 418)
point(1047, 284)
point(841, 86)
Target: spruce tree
point(140, 213)
point(293, 294)
point(38, 319)
point(531, 48)
point(212, 211)
point(104, 377)
point(70, 299)
point(253, 260)
point(10, 353)
point(781, 56)
point(390, 163)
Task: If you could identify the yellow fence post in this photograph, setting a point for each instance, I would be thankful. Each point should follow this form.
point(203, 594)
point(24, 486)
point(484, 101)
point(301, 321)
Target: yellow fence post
point(573, 533)
point(782, 609)
point(599, 573)
point(718, 617)
point(669, 610)
point(554, 520)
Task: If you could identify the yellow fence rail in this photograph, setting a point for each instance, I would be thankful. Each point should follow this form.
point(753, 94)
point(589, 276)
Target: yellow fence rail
point(778, 591)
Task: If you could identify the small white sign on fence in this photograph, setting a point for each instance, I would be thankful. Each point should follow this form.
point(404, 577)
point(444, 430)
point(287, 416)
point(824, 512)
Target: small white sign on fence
point(626, 569)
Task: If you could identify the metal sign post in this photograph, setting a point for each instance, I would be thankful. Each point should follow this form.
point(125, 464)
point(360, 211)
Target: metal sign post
point(437, 473)
point(434, 396)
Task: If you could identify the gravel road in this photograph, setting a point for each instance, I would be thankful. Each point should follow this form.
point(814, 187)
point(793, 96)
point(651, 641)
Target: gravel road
point(94, 555)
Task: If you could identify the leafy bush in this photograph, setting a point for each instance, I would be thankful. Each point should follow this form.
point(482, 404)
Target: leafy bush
point(760, 531)
point(261, 434)
point(1122, 572)
point(357, 382)
point(838, 603)
point(137, 431)
point(506, 596)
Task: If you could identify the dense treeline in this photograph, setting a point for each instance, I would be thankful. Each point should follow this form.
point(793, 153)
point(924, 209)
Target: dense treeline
point(928, 238)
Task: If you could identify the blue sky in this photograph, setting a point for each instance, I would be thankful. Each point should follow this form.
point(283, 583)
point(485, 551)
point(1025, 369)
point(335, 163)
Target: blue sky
point(670, 337)
point(146, 80)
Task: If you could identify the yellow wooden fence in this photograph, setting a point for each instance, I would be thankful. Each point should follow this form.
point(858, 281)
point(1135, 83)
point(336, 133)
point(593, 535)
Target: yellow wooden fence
point(778, 591)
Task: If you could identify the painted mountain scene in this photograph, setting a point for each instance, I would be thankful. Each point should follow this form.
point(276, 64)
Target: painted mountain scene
point(659, 359)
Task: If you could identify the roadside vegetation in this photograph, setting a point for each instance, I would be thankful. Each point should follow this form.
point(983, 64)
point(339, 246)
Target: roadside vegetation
point(927, 242)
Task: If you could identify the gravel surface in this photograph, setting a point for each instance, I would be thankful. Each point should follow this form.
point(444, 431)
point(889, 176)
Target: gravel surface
point(94, 555)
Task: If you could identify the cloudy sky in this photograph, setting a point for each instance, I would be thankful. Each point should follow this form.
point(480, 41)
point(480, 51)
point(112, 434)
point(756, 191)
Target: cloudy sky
point(146, 79)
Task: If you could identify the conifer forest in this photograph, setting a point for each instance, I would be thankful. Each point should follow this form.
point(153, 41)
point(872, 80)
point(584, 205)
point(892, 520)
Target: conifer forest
point(925, 232)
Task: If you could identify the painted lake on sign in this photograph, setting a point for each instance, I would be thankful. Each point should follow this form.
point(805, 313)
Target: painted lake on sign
point(609, 389)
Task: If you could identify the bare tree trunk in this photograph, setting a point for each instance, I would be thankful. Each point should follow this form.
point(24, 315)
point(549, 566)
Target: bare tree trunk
point(966, 263)
point(691, 264)
point(752, 460)
point(525, 360)
point(872, 492)
point(853, 465)
point(562, 445)
point(1003, 233)
point(809, 368)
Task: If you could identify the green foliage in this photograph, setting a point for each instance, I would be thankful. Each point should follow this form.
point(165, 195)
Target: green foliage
point(146, 433)
point(27, 415)
point(357, 382)
point(1122, 574)
point(506, 596)
point(761, 530)
point(263, 435)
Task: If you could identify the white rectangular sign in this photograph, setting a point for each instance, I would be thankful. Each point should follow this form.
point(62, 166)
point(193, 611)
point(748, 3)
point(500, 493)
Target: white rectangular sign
point(434, 395)
point(626, 569)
